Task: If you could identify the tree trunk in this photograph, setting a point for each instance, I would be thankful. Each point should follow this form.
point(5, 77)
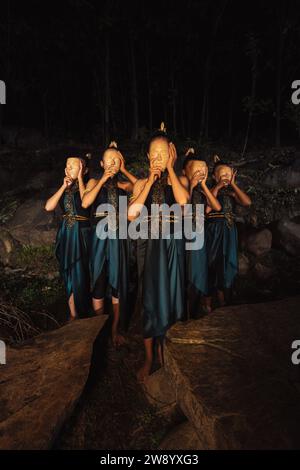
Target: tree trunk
point(123, 105)
point(231, 105)
point(150, 119)
point(134, 94)
point(100, 106)
point(190, 112)
point(182, 113)
point(207, 116)
point(278, 88)
point(207, 71)
point(253, 94)
point(106, 92)
point(46, 117)
point(173, 103)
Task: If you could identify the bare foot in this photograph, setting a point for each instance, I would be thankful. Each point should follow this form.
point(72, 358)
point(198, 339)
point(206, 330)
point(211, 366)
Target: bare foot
point(221, 298)
point(71, 318)
point(117, 339)
point(206, 305)
point(144, 372)
point(206, 308)
point(160, 355)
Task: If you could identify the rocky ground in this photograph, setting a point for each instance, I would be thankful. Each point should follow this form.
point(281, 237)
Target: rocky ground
point(114, 412)
point(42, 381)
point(234, 378)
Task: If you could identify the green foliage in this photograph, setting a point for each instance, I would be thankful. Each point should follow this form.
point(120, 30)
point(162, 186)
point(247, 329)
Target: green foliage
point(270, 204)
point(147, 417)
point(31, 292)
point(40, 293)
point(39, 286)
point(8, 206)
point(39, 259)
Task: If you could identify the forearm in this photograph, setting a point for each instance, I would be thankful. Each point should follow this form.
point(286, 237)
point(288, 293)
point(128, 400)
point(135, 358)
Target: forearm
point(129, 176)
point(134, 206)
point(81, 187)
point(90, 196)
point(181, 195)
point(215, 191)
point(241, 196)
point(191, 193)
point(211, 199)
point(53, 200)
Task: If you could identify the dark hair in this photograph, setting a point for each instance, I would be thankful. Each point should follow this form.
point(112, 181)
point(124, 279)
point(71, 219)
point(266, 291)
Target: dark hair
point(111, 146)
point(193, 157)
point(86, 159)
point(220, 163)
point(159, 134)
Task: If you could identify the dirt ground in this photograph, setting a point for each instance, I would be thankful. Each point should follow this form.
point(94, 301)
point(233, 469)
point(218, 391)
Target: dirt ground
point(113, 412)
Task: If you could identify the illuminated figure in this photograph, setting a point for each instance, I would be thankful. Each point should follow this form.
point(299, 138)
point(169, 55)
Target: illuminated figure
point(160, 260)
point(72, 240)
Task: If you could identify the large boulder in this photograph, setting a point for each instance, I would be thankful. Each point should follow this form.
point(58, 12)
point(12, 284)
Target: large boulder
point(181, 437)
point(43, 181)
point(263, 272)
point(32, 224)
point(161, 394)
point(244, 264)
point(234, 377)
point(259, 242)
point(9, 248)
point(42, 381)
point(286, 177)
point(5, 179)
point(286, 235)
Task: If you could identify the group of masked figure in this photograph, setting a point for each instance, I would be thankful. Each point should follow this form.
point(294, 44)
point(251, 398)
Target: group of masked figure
point(94, 266)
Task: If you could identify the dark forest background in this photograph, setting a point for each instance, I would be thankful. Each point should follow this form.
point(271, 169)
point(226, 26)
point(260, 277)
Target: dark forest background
point(219, 70)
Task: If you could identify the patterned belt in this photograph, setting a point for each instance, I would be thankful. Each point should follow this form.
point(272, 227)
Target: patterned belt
point(97, 215)
point(193, 216)
point(100, 214)
point(217, 215)
point(161, 217)
point(74, 217)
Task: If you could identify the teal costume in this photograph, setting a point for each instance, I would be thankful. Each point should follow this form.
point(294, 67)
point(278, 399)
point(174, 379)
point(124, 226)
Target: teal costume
point(71, 249)
point(161, 270)
point(222, 244)
point(110, 254)
point(197, 259)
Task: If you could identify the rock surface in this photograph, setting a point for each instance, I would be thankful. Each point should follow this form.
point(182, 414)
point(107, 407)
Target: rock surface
point(160, 393)
point(9, 248)
point(259, 242)
point(262, 272)
point(288, 177)
point(287, 235)
point(182, 437)
point(244, 264)
point(234, 377)
point(32, 225)
point(42, 381)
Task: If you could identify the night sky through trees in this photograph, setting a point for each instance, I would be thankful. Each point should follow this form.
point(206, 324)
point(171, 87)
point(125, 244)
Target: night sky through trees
point(111, 68)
